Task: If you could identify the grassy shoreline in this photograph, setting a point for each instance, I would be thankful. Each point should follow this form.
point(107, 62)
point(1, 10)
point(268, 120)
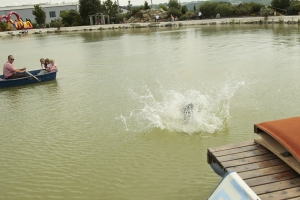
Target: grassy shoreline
point(295, 19)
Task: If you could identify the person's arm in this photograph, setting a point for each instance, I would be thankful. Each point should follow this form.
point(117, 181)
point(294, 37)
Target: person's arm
point(48, 68)
point(55, 67)
point(20, 70)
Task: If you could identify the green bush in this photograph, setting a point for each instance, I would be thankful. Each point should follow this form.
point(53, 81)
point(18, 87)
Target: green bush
point(34, 25)
point(187, 16)
point(225, 10)
point(120, 17)
point(56, 23)
point(283, 4)
point(246, 9)
point(190, 14)
point(265, 11)
point(69, 17)
point(174, 4)
point(256, 7)
point(184, 17)
point(297, 7)
point(208, 9)
point(134, 10)
point(175, 12)
point(3, 26)
point(146, 6)
point(162, 6)
point(184, 9)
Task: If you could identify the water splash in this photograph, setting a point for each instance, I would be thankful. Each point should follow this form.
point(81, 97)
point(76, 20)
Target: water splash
point(210, 110)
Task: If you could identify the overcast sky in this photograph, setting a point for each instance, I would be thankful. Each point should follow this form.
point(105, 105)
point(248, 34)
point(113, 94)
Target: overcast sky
point(121, 2)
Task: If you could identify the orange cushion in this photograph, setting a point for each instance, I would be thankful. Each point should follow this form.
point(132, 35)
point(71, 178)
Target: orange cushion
point(286, 132)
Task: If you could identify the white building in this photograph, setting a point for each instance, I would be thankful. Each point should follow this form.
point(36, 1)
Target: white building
point(52, 11)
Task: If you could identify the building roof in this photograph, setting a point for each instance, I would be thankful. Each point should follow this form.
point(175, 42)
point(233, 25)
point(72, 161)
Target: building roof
point(43, 5)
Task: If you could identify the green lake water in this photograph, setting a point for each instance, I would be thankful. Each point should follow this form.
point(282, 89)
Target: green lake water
point(111, 126)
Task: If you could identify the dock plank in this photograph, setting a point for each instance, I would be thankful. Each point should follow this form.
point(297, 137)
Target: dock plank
point(277, 186)
point(264, 171)
point(238, 150)
point(232, 146)
point(236, 156)
point(258, 165)
point(272, 178)
point(250, 160)
point(283, 194)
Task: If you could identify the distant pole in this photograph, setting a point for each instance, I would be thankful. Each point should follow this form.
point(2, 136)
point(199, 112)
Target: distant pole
point(152, 5)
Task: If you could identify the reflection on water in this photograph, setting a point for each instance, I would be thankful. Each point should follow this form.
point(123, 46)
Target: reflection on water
point(111, 126)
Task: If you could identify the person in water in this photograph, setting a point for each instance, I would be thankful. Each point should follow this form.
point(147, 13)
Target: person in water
point(187, 111)
point(10, 72)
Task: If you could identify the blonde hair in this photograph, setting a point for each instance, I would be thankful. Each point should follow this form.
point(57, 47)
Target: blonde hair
point(51, 61)
point(42, 59)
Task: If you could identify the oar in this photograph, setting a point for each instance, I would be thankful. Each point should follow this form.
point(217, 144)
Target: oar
point(33, 76)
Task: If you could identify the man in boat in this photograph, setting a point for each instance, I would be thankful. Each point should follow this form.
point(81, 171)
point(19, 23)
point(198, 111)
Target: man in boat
point(10, 72)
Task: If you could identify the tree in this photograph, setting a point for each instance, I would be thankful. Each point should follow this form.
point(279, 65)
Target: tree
point(110, 8)
point(194, 8)
point(208, 9)
point(71, 18)
point(129, 6)
point(136, 9)
point(40, 15)
point(283, 4)
point(225, 9)
point(297, 7)
point(184, 10)
point(88, 7)
point(174, 8)
point(163, 6)
point(255, 7)
point(174, 4)
point(146, 6)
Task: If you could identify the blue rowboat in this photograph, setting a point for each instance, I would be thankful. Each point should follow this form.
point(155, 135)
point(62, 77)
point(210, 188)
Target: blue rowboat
point(41, 75)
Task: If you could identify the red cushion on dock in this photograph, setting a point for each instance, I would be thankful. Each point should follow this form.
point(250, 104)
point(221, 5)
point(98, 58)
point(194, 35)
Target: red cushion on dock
point(285, 131)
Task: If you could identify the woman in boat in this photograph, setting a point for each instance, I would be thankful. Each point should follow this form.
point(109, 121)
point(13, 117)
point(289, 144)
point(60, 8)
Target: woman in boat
point(44, 62)
point(51, 66)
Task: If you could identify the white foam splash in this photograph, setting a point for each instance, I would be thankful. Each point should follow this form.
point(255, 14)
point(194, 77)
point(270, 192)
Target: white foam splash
point(165, 111)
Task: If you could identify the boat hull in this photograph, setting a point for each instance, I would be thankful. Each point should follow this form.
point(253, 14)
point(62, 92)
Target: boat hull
point(43, 77)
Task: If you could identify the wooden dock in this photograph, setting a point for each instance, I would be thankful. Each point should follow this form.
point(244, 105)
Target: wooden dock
point(266, 174)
